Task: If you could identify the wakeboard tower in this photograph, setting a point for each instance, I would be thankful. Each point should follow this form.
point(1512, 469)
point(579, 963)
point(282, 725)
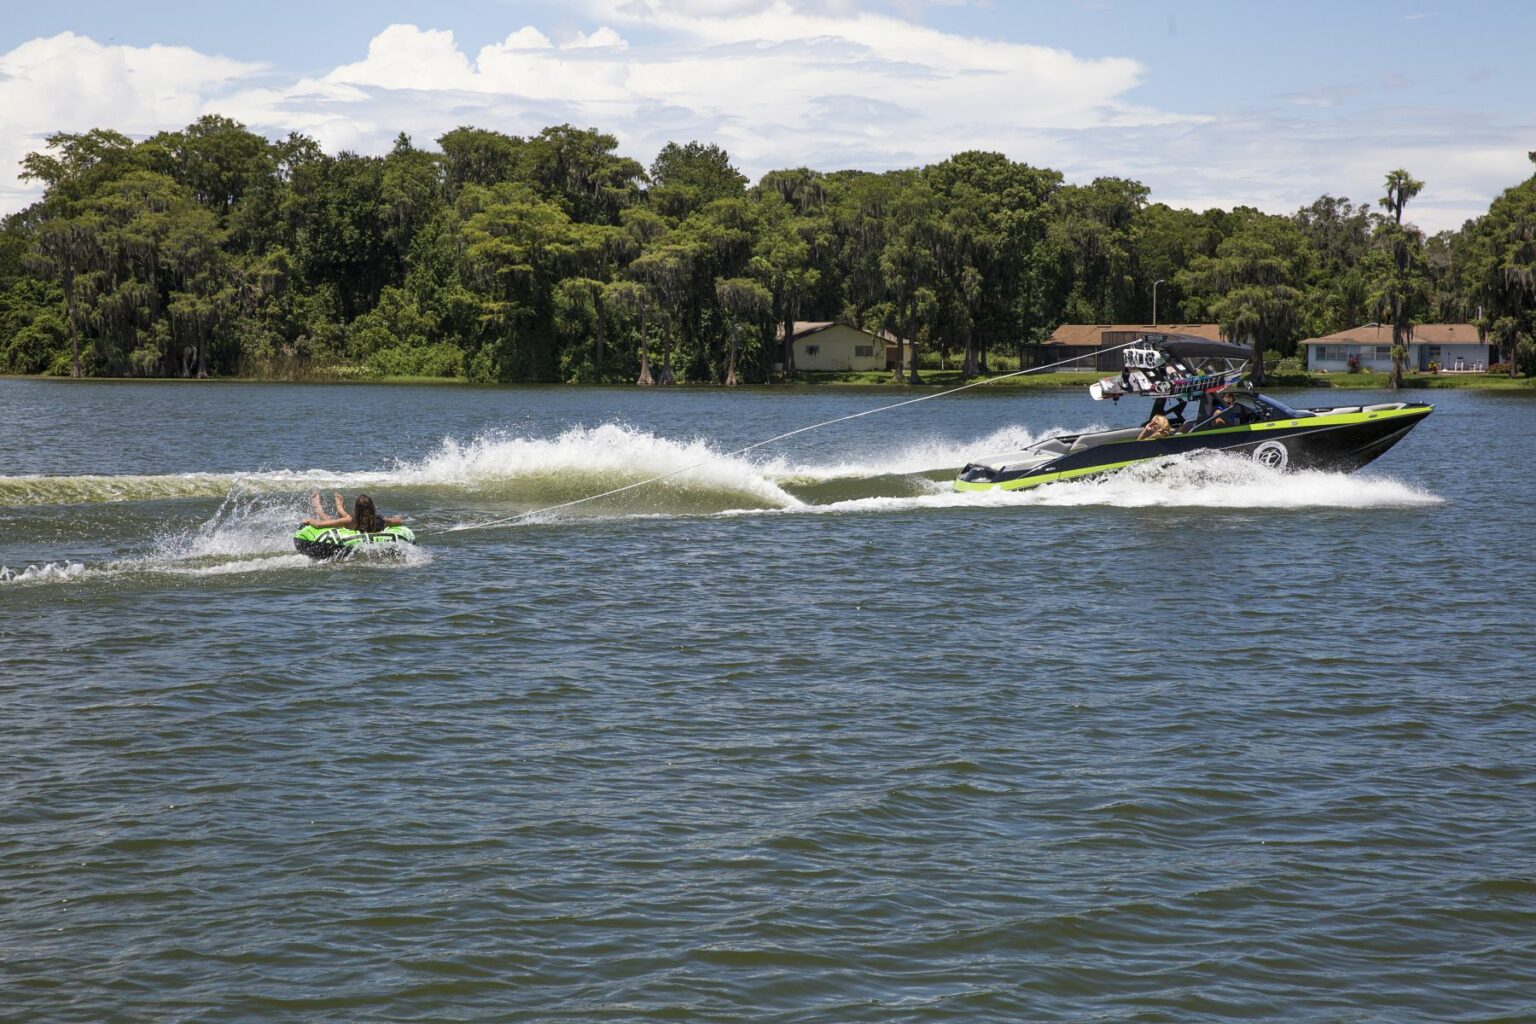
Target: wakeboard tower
point(1183, 375)
point(339, 542)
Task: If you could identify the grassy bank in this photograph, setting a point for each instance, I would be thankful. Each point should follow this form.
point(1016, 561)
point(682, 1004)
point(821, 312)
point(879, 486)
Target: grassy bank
point(1362, 381)
point(1477, 381)
point(882, 379)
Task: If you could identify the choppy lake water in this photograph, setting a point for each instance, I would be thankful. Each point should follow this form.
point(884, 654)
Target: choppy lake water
point(800, 736)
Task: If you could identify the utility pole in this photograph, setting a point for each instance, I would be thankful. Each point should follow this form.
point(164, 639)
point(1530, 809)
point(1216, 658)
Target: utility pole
point(1154, 299)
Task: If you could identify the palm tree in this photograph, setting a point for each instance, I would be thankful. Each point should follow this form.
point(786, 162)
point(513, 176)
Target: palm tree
point(1401, 187)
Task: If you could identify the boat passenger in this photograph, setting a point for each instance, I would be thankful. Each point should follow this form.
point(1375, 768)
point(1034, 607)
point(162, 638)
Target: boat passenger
point(1226, 413)
point(1157, 427)
point(364, 517)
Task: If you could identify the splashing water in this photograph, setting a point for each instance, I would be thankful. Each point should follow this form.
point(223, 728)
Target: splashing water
point(532, 472)
point(248, 533)
point(251, 530)
point(48, 572)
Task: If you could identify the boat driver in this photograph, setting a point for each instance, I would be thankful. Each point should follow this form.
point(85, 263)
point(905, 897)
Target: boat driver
point(1226, 412)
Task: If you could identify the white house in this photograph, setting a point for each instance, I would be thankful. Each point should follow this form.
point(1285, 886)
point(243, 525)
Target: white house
point(1452, 347)
point(825, 345)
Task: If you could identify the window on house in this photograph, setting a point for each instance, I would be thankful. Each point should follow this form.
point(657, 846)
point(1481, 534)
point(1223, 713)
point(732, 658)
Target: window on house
point(863, 351)
point(812, 350)
point(1434, 353)
point(1383, 351)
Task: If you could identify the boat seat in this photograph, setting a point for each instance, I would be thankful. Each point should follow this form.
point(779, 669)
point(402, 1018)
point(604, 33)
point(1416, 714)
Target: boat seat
point(1094, 440)
point(1343, 408)
point(1382, 407)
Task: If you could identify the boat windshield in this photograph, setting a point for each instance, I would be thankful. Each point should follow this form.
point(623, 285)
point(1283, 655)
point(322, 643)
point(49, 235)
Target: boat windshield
point(1285, 411)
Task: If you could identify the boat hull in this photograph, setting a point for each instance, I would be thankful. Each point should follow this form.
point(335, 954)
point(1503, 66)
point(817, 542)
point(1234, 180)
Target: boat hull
point(1335, 441)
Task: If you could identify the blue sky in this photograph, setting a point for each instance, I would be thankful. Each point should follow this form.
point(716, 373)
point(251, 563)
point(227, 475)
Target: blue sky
point(1210, 104)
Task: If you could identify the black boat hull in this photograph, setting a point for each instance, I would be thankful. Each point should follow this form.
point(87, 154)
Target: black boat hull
point(1329, 440)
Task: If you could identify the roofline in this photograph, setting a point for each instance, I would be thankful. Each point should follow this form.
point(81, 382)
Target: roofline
point(1343, 337)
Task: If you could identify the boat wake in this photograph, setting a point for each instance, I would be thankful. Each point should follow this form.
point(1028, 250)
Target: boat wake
point(464, 484)
point(527, 471)
point(1224, 481)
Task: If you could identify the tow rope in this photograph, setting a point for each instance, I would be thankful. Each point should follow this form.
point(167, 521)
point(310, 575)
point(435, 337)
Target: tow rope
point(533, 513)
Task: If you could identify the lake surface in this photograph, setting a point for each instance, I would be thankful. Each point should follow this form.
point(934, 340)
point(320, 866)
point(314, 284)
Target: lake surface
point(795, 736)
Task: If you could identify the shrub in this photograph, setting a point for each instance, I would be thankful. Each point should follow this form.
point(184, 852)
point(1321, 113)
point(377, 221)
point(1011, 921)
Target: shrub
point(440, 360)
point(485, 367)
point(35, 349)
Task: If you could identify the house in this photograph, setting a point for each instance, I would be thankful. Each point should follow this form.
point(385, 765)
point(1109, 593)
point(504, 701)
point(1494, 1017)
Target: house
point(1454, 348)
point(831, 346)
point(1086, 342)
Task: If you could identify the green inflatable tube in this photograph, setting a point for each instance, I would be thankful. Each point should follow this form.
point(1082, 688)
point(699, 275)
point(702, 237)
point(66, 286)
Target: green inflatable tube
point(339, 542)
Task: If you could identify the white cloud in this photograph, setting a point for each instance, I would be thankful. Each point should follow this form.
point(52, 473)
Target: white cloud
point(404, 53)
point(603, 37)
point(70, 83)
point(527, 38)
point(824, 83)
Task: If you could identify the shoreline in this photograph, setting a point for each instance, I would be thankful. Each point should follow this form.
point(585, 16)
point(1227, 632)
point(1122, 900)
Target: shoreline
point(877, 380)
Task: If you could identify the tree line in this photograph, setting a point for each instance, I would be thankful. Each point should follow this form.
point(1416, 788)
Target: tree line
point(215, 251)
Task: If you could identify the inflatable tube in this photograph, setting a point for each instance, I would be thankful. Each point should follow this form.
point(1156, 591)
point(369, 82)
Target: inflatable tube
point(339, 542)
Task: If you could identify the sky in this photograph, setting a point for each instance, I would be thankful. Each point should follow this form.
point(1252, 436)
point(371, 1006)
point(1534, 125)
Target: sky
point(1209, 104)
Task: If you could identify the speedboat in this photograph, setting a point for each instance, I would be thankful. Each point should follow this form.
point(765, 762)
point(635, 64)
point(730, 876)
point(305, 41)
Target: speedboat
point(1184, 376)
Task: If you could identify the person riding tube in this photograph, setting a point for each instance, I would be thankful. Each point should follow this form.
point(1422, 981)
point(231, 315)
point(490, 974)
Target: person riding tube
point(364, 517)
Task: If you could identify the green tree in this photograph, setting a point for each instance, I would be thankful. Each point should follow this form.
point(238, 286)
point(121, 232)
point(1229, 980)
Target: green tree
point(666, 271)
point(202, 296)
point(688, 177)
point(1400, 291)
point(216, 158)
point(336, 212)
point(747, 305)
point(633, 300)
point(411, 193)
point(991, 224)
point(781, 260)
point(1499, 252)
point(581, 170)
point(67, 248)
point(1340, 234)
point(73, 165)
point(517, 248)
point(474, 156)
point(909, 264)
point(1252, 284)
point(852, 232)
point(1090, 255)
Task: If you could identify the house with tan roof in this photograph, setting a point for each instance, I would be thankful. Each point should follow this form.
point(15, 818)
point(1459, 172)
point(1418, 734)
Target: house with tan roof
point(1454, 348)
point(826, 345)
point(1086, 342)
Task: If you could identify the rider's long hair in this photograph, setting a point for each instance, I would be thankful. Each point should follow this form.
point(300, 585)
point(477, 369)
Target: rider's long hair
point(364, 516)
